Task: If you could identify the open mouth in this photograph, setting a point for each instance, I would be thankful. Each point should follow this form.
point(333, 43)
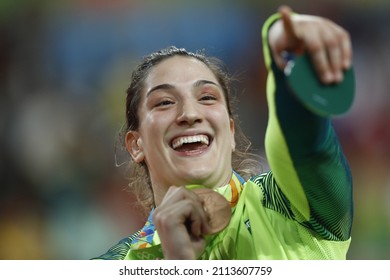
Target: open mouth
point(191, 143)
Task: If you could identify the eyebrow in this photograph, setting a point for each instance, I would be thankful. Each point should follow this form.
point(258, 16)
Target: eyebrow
point(198, 83)
point(204, 82)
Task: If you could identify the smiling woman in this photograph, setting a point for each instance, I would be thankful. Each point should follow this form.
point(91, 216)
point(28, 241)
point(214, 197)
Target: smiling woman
point(193, 171)
point(180, 107)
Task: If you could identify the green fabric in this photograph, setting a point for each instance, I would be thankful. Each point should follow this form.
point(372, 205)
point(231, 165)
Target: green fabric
point(258, 232)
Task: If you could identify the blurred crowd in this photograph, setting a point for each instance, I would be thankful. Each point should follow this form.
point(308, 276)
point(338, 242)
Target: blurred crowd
point(64, 69)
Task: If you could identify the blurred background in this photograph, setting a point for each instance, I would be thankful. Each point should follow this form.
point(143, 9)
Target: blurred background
point(64, 69)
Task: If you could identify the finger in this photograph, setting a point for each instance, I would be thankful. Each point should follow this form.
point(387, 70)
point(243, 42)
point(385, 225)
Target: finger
point(336, 63)
point(319, 56)
point(198, 221)
point(175, 194)
point(285, 13)
point(338, 43)
point(346, 50)
point(320, 62)
point(333, 47)
point(189, 213)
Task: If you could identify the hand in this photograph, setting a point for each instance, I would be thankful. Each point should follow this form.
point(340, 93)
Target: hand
point(181, 223)
point(328, 44)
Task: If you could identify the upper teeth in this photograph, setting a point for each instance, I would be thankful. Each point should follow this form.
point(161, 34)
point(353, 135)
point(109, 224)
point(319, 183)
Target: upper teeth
point(190, 139)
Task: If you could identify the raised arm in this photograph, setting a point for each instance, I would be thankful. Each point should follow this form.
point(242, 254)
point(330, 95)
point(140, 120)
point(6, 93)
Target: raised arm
point(302, 148)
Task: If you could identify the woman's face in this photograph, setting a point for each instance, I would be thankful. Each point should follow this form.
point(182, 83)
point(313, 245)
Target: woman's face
point(185, 134)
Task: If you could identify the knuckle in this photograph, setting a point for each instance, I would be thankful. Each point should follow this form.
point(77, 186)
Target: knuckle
point(157, 217)
point(314, 46)
point(332, 42)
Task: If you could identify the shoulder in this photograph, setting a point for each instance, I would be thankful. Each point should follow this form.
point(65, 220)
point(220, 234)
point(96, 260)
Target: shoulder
point(272, 197)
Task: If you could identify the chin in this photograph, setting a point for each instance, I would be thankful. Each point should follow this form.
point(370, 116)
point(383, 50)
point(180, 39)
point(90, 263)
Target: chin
point(201, 176)
point(192, 174)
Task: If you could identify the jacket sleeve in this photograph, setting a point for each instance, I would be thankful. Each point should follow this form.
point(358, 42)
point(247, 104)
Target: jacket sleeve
point(306, 158)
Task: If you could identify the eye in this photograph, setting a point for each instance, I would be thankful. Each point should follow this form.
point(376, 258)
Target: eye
point(164, 103)
point(208, 97)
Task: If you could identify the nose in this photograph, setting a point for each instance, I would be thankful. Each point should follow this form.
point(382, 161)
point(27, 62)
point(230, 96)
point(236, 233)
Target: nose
point(189, 113)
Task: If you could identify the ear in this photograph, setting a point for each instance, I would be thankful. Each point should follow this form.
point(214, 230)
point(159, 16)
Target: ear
point(232, 132)
point(134, 146)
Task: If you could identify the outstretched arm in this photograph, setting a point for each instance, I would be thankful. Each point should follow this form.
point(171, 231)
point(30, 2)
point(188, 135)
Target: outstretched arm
point(302, 148)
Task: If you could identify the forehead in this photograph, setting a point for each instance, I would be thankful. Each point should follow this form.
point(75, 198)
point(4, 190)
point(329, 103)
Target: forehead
point(179, 69)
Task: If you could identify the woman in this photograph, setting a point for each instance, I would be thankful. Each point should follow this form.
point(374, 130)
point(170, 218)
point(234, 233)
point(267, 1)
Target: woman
point(181, 131)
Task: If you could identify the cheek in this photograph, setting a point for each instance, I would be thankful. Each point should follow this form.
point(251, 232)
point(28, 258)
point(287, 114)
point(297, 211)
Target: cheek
point(148, 130)
point(152, 128)
point(220, 118)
